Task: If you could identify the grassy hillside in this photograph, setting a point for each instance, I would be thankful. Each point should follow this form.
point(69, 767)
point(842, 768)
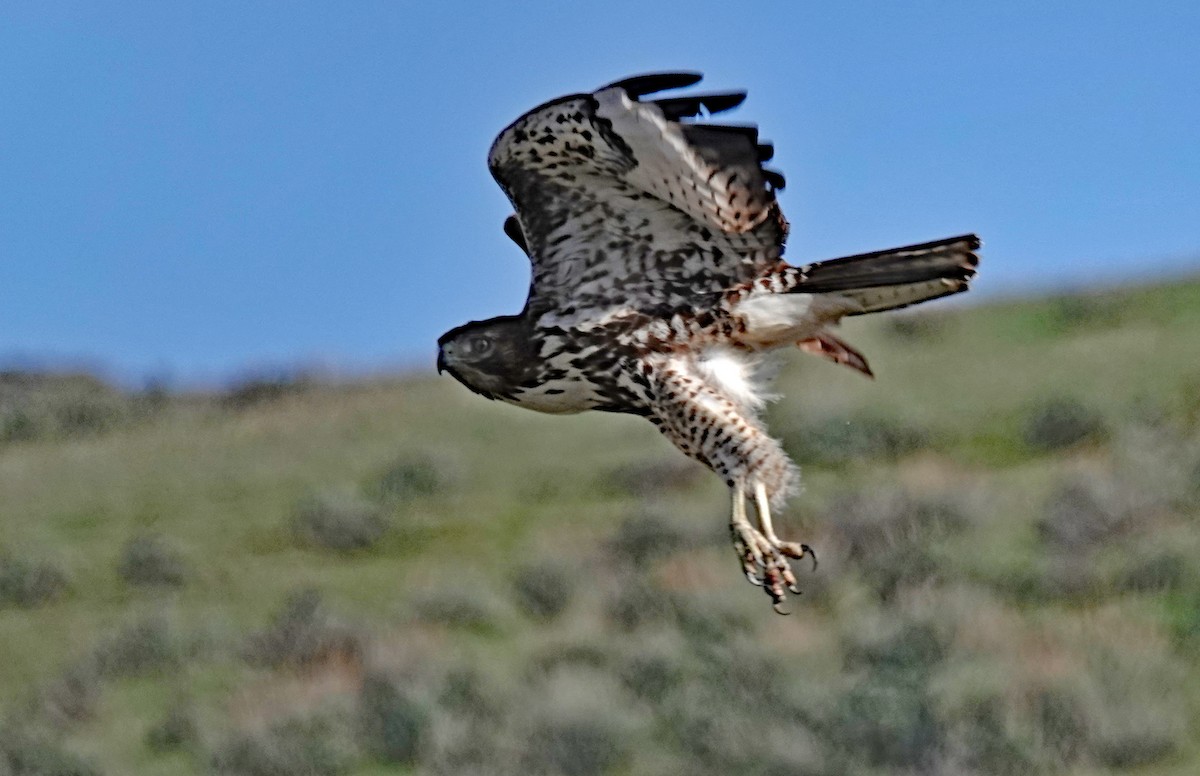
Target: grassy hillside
point(395, 576)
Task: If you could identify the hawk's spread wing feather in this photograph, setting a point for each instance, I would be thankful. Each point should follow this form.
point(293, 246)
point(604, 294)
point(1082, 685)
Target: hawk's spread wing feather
point(623, 206)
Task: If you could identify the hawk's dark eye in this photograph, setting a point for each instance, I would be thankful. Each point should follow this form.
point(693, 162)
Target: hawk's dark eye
point(481, 346)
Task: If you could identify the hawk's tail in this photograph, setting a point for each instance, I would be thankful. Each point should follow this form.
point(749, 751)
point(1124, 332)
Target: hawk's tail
point(887, 280)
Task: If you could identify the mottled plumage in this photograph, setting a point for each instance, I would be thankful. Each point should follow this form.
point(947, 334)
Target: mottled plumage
point(659, 286)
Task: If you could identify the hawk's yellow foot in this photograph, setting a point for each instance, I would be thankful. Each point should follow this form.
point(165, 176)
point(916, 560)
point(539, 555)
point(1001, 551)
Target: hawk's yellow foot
point(766, 559)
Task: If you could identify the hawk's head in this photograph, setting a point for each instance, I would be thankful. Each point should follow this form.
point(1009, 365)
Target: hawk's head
point(490, 357)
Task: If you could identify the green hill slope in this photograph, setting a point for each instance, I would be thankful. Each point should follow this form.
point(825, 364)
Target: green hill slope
point(395, 576)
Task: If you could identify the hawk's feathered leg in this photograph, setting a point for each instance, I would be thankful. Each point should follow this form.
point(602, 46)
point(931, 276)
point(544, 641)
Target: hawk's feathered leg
point(694, 409)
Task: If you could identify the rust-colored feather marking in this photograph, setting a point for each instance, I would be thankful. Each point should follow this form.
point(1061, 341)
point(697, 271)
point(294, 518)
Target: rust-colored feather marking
point(837, 351)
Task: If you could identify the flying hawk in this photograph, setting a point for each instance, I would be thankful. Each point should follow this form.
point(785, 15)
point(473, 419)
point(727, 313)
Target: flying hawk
point(659, 287)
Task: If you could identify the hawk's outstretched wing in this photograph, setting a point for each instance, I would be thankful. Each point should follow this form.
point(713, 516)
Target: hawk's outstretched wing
point(624, 206)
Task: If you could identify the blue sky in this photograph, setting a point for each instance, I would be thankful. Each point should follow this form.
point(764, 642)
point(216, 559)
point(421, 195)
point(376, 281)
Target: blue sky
point(189, 191)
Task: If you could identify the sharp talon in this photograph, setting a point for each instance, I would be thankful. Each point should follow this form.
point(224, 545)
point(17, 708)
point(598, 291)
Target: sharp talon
point(791, 549)
point(766, 560)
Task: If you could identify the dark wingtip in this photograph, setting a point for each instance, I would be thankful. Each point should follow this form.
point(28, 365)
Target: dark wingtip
point(649, 83)
point(715, 103)
point(971, 260)
point(512, 228)
point(682, 107)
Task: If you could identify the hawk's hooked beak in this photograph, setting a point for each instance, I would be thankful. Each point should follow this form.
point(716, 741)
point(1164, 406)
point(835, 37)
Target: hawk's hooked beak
point(441, 362)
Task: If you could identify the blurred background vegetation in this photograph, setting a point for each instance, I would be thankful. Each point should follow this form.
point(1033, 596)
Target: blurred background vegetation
point(390, 576)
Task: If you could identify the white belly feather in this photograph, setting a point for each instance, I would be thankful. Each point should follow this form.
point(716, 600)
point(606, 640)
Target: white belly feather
point(742, 376)
point(785, 319)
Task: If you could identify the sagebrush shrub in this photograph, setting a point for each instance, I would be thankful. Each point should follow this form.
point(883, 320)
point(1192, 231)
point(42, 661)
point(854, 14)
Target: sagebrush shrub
point(256, 390)
point(147, 645)
point(392, 721)
point(303, 634)
point(544, 590)
point(837, 441)
point(916, 326)
point(642, 538)
point(577, 744)
point(459, 607)
point(29, 751)
point(177, 729)
point(149, 559)
point(30, 583)
point(578, 724)
point(410, 476)
point(74, 696)
point(37, 405)
point(293, 747)
point(1084, 512)
point(888, 535)
point(651, 478)
point(640, 602)
point(1138, 709)
point(1059, 423)
point(338, 520)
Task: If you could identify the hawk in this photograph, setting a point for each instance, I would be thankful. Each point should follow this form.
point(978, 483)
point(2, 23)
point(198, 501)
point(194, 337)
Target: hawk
point(659, 287)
